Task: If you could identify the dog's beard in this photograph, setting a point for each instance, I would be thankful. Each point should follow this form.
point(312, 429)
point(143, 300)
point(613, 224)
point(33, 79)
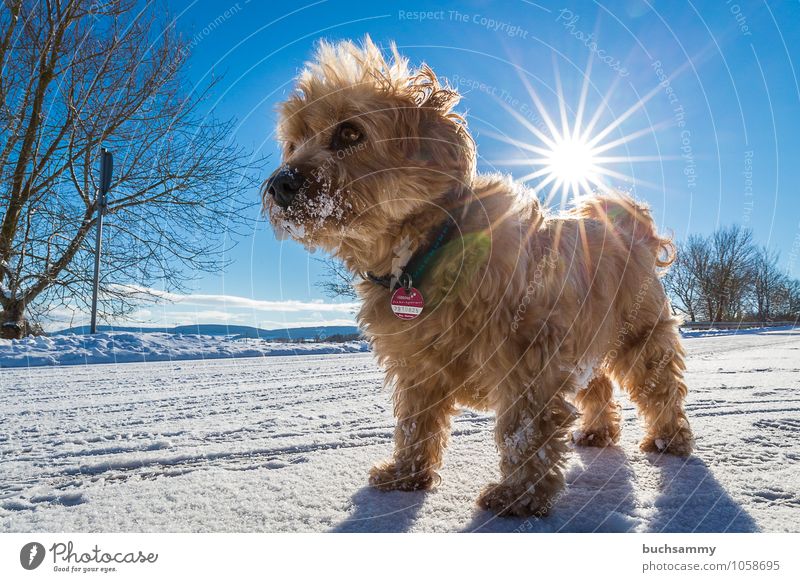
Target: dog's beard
point(283, 229)
point(313, 215)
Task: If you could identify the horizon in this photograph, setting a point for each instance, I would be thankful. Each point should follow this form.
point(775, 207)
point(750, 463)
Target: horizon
point(149, 328)
point(703, 105)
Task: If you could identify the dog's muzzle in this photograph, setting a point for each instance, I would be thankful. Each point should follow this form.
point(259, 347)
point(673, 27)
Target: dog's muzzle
point(284, 185)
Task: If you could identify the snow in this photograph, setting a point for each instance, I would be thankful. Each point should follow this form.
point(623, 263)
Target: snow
point(326, 204)
point(5, 291)
point(687, 333)
point(285, 444)
point(119, 347)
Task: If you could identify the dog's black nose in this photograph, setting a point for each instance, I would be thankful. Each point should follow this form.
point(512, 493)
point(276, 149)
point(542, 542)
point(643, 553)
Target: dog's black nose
point(284, 185)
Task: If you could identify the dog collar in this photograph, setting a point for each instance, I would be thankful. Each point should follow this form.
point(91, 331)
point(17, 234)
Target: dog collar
point(419, 261)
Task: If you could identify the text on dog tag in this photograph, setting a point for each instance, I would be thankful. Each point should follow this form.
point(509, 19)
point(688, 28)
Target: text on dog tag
point(407, 303)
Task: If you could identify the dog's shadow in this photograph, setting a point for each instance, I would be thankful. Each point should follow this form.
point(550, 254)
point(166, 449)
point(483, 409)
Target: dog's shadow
point(602, 496)
point(382, 511)
point(692, 500)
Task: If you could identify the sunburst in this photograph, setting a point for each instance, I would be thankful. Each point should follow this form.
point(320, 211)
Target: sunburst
point(572, 157)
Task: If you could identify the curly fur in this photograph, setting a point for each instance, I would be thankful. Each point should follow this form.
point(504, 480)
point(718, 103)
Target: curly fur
point(523, 310)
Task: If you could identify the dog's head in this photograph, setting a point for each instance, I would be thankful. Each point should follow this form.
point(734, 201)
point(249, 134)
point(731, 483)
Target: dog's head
point(367, 144)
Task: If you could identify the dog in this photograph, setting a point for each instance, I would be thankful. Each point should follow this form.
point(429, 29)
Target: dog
point(472, 294)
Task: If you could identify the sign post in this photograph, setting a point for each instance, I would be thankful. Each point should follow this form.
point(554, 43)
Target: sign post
point(106, 167)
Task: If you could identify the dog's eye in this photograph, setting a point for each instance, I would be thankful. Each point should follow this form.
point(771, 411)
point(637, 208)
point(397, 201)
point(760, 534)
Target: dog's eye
point(290, 147)
point(346, 134)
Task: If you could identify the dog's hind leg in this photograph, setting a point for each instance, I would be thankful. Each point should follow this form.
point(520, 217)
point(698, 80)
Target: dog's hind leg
point(651, 370)
point(421, 433)
point(599, 414)
point(531, 432)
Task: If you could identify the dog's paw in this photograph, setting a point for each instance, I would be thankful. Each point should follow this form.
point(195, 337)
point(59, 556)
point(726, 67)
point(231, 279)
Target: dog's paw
point(680, 444)
point(599, 437)
point(389, 476)
point(507, 501)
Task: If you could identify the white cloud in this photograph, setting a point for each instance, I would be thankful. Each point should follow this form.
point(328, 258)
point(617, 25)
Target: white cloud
point(266, 324)
point(238, 302)
point(198, 308)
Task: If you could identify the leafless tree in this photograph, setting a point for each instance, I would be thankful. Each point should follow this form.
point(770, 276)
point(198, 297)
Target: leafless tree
point(725, 277)
point(681, 280)
point(789, 300)
point(730, 272)
point(337, 280)
point(78, 74)
point(769, 284)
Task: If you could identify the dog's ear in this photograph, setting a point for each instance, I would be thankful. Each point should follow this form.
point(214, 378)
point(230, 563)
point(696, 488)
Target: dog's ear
point(444, 140)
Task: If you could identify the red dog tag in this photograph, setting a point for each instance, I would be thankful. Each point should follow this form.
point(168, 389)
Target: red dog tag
point(407, 304)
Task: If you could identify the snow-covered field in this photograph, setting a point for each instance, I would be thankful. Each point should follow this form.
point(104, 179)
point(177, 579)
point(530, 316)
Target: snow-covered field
point(122, 347)
point(285, 443)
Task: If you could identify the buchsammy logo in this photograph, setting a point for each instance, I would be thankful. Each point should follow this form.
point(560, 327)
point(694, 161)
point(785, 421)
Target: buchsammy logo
point(31, 555)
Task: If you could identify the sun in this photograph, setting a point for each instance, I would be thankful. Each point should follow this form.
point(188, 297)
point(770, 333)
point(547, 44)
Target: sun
point(571, 161)
point(572, 156)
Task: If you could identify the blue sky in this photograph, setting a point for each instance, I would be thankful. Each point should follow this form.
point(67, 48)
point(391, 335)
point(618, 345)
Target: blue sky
point(713, 140)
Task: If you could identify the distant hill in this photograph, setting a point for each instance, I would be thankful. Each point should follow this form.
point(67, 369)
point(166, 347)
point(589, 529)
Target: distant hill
point(238, 331)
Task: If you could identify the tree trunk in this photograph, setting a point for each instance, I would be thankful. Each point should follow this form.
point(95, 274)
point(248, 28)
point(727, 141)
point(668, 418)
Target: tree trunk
point(13, 324)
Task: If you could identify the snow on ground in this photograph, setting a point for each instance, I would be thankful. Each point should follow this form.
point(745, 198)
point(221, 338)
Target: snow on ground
point(687, 333)
point(285, 443)
point(119, 347)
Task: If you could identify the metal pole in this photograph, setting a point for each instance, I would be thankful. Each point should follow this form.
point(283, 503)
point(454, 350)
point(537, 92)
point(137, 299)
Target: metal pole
point(106, 167)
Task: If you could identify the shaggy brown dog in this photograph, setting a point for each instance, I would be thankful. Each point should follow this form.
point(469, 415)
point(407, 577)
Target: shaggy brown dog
point(524, 311)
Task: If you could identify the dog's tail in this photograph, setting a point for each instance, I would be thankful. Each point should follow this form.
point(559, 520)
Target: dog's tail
point(628, 218)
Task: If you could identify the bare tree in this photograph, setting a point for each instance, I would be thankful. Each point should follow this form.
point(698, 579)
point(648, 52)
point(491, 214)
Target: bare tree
point(681, 280)
point(789, 300)
point(337, 280)
point(713, 275)
point(78, 74)
point(729, 273)
point(769, 284)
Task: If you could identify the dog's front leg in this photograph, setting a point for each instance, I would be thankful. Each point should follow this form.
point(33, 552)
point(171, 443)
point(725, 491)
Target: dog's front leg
point(423, 410)
point(531, 434)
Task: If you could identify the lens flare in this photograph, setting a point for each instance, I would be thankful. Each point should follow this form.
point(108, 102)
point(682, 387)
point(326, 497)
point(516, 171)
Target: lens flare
point(572, 156)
